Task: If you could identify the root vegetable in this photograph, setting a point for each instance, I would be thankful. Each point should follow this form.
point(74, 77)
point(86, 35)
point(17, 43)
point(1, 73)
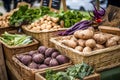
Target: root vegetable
point(73, 38)
point(70, 43)
point(26, 59)
point(38, 58)
point(90, 43)
point(100, 38)
point(55, 19)
point(76, 34)
point(87, 49)
point(49, 51)
point(108, 36)
point(81, 42)
point(62, 59)
point(111, 42)
point(55, 54)
point(31, 53)
point(42, 49)
point(42, 66)
point(53, 62)
point(115, 38)
point(33, 65)
point(85, 34)
point(79, 48)
point(47, 60)
point(98, 46)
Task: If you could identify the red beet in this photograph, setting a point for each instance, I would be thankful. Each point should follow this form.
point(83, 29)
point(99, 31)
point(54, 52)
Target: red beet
point(53, 62)
point(38, 58)
point(42, 49)
point(62, 59)
point(55, 54)
point(47, 60)
point(26, 59)
point(33, 65)
point(42, 66)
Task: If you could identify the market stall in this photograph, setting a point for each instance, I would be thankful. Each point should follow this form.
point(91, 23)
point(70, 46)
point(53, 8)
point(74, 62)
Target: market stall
point(53, 43)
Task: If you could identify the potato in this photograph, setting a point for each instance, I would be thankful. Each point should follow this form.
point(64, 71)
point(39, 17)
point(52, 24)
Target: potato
point(91, 28)
point(81, 42)
point(69, 43)
point(79, 48)
point(115, 38)
point(55, 19)
point(87, 49)
point(108, 36)
point(85, 34)
point(62, 23)
point(98, 46)
point(111, 42)
point(90, 43)
point(76, 34)
point(73, 38)
point(100, 38)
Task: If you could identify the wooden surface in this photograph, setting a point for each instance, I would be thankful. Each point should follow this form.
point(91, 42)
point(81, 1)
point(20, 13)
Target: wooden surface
point(3, 73)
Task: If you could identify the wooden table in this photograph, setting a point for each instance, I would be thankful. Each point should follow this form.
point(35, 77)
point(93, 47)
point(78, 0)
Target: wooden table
point(3, 73)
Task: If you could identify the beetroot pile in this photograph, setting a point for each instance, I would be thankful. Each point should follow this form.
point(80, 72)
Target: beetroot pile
point(42, 58)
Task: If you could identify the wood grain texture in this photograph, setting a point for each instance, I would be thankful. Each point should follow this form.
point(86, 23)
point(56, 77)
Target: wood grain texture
point(3, 73)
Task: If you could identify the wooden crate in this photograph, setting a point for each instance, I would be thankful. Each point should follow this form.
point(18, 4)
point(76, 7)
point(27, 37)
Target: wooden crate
point(100, 59)
point(111, 30)
point(3, 73)
point(29, 74)
point(43, 36)
point(12, 72)
point(41, 76)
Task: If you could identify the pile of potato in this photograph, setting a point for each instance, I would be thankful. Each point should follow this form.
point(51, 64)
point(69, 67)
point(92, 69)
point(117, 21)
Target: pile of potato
point(89, 40)
point(4, 20)
point(44, 24)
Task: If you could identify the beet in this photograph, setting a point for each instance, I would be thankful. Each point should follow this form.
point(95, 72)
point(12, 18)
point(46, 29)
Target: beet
point(62, 59)
point(26, 59)
point(42, 66)
point(33, 65)
point(19, 56)
point(55, 54)
point(53, 62)
point(42, 49)
point(49, 51)
point(47, 60)
point(31, 53)
point(38, 58)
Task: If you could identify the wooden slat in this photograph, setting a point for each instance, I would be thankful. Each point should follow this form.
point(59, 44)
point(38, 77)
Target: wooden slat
point(3, 73)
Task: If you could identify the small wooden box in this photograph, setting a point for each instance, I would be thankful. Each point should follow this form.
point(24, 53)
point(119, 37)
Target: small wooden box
point(29, 74)
point(41, 76)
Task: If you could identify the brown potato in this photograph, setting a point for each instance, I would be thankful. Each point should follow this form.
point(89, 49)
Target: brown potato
point(111, 42)
point(90, 43)
point(98, 46)
point(87, 49)
point(70, 43)
point(81, 42)
point(85, 34)
point(100, 38)
point(79, 48)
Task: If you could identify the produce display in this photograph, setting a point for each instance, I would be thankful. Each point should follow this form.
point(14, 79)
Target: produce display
point(89, 40)
point(44, 24)
point(43, 58)
point(4, 20)
point(27, 15)
point(70, 17)
point(75, 72)
point(16, 39)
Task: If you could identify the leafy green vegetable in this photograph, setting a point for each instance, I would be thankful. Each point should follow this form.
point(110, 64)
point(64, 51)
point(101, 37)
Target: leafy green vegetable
point(71, 17)
point(27, 15)
point(15, 39)
point(78, 71)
